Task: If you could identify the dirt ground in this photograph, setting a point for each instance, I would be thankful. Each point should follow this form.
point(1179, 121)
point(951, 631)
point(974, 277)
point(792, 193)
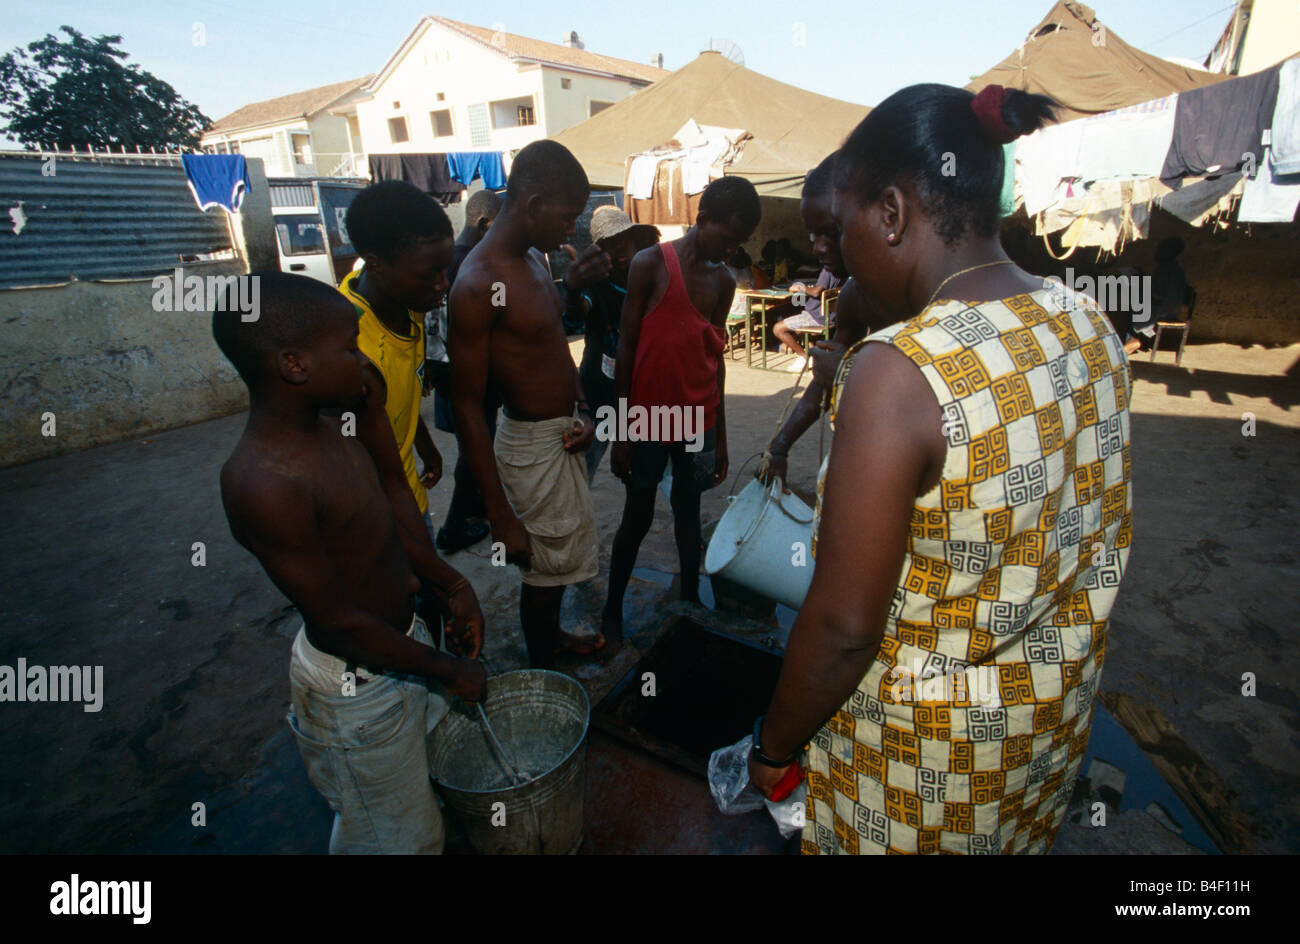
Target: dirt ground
point(96, 569)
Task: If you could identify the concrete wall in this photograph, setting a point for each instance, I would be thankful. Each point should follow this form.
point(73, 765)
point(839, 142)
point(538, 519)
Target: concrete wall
point(107, 365)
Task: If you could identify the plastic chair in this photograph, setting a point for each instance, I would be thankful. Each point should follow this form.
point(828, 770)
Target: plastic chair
point(1182, 326)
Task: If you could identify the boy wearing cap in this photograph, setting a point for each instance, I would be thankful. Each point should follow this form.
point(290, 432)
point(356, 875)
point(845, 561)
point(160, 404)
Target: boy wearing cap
point(598, 303)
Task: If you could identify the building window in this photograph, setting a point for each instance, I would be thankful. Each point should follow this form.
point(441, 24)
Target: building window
point(397, 130)
point(442, 97)
point(397, 106)
point(441, 121)
point(594, 107)
point(301, 144)
point(513, 112)
point(566, 83)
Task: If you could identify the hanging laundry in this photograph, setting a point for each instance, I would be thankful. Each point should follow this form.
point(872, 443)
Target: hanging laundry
point(1269, 197)
point(1046, 163)
point(641, 176)
point(217, 179)
point(1286, 120)
point(1198, 200)
point(1007, 199)
point(1217, 125)
point(1128, 143)
point(427, 172)
point(464, 166)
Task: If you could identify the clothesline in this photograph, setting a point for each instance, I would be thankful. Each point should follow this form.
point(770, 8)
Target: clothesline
point(1193, 154)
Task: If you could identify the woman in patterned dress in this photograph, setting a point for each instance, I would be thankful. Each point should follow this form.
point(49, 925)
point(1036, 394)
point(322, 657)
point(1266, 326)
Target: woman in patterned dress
point(974, 514)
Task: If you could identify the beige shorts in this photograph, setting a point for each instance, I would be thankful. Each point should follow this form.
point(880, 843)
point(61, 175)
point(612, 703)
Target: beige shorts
point(547, 488)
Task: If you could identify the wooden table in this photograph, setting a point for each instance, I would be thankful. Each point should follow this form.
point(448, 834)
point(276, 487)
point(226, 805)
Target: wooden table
point(760, 301)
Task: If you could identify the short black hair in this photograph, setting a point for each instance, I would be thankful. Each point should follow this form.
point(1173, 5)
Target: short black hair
point(387, 217)
point(732, 196)
point(482, 204)
point(289, 314)
point(929, 136)
point(818, 181)
point(549, 169)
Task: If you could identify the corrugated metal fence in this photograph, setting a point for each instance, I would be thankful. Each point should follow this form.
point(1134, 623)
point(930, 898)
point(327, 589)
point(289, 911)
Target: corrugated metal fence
point(99, 219)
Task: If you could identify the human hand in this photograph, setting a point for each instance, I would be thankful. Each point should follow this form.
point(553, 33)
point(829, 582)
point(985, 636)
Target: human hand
point(826, 357)
point(587, 269)
point(765, 778)
point(465, 622)
point(772, 466)
point(432, 460)
point(581, 435)
point(510, 531)
point(469, 680)
point(620, 459)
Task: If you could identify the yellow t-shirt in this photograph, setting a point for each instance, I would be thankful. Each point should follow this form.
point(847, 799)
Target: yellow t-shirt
point(400, 358)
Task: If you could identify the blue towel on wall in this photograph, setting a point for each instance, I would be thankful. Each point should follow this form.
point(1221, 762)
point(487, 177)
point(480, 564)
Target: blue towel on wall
point(217, 179)
point(466, 165)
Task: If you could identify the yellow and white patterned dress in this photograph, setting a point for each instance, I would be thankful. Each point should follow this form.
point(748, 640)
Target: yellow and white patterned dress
point(967, 731)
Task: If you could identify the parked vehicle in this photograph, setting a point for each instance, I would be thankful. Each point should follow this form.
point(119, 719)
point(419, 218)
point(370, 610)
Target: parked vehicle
point(310, 226)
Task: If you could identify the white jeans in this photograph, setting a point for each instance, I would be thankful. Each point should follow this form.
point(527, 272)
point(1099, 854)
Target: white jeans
point(367, 755)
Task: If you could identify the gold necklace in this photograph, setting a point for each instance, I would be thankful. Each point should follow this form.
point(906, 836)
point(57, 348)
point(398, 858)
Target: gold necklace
point(982, 265)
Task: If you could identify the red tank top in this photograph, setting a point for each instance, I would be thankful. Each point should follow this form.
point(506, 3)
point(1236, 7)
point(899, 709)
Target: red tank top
point(678, 351)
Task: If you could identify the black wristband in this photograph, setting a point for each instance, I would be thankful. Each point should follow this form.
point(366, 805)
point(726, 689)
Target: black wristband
point(758, 748)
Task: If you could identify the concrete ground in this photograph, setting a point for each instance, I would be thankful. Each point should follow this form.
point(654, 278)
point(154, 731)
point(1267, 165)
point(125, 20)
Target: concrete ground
point(96, 569)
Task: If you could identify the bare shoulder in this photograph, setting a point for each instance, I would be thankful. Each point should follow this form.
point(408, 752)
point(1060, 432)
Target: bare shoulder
point(260, 488)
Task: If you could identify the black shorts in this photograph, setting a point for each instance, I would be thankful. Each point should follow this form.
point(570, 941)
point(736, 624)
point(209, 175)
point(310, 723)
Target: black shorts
point(649, 459)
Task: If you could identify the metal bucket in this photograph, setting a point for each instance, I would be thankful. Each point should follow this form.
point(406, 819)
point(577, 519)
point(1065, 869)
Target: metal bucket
point(541, 718)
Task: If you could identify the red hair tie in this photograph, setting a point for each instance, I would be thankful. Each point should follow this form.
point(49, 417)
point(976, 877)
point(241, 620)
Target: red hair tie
point(987, 106)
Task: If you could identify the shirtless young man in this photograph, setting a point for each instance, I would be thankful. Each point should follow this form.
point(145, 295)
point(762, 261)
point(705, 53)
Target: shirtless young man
point(850, 323)
point(670, 355)
point(508, 332)
point(305, 497)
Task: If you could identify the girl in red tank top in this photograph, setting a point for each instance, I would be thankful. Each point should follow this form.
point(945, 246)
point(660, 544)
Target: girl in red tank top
point(678, 351)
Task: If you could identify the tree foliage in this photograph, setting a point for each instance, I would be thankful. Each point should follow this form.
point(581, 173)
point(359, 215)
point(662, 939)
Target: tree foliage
point(80, 91)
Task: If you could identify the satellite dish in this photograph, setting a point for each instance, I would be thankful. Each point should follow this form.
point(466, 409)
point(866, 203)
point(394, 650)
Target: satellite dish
point(728, 49)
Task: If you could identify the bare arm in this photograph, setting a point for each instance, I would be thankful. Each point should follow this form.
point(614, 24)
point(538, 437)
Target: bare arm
point(470, 343)
point(640, 283)
point(725, 297)
point(375, 432)
point(889, 445)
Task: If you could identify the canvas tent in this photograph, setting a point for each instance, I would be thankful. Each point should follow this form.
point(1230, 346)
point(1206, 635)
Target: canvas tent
point(792, 128)
point(1073, 57)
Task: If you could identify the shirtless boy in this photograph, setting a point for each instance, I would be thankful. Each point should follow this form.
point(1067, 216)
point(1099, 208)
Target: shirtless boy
point(305, 497)
point(670, 355)
point(508, 332)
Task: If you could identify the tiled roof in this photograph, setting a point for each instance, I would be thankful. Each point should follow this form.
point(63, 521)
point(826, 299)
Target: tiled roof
point(526, 48)
point(286, 107)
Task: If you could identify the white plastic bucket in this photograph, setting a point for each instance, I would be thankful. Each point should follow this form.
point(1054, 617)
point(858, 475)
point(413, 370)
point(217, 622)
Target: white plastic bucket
point(764, 543)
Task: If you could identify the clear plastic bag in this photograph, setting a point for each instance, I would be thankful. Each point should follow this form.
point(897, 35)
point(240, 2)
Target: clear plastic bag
point(734, 794)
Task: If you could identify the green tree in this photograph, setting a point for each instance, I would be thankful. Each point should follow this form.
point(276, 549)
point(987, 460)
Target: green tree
point(72, 93)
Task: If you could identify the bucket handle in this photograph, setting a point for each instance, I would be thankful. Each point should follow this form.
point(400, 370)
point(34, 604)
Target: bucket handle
point(772, 494)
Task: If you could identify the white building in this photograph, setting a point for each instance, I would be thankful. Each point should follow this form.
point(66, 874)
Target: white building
point(295, 135)
point(454, 87)
point(1260, 33)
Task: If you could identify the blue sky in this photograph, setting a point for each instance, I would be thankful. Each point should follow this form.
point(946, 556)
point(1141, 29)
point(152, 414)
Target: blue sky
point(857, 51)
